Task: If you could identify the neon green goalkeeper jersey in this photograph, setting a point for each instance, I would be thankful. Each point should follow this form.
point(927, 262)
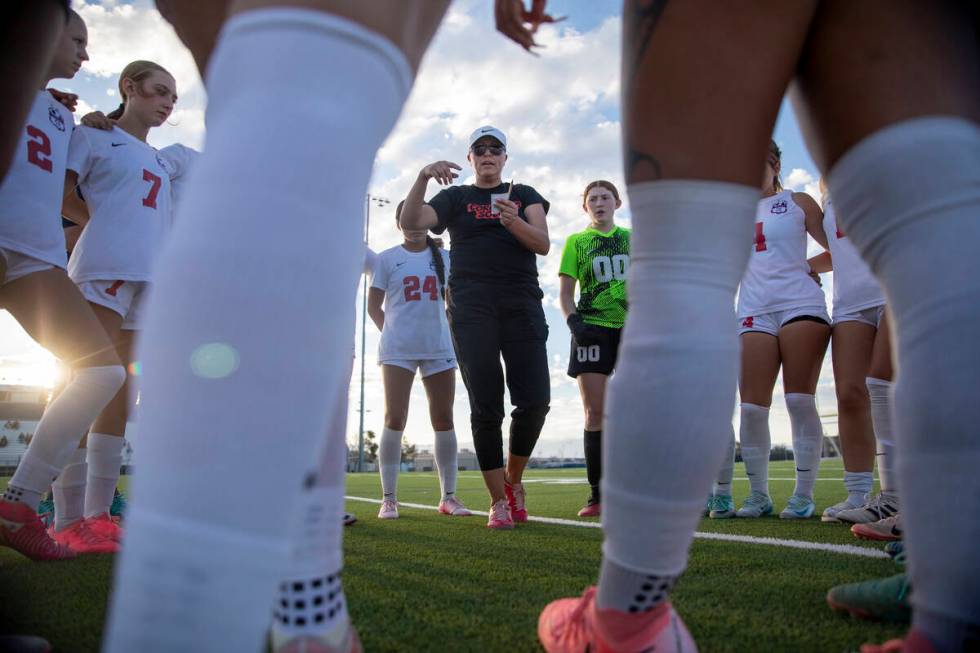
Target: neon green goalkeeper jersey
point(599, 262)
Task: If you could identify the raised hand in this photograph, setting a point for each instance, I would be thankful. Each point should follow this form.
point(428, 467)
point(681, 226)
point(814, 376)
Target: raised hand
point(441, 171)
point(513, 20)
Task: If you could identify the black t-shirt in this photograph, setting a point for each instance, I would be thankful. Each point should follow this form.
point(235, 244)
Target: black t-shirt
point(482, 248)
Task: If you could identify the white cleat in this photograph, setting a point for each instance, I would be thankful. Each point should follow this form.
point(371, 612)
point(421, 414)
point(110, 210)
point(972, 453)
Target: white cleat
point(454, 507)
point(389, 509)
point(830, 512)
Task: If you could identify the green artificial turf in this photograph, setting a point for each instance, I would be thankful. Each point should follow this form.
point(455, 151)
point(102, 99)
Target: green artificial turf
point(427, 582)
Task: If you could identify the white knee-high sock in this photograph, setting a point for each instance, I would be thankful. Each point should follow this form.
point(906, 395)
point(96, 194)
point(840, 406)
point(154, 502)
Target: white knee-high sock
point(446, 460)
point(881, 418)
point(310, 601)
point(390, 461)
point(69, 491)
point(723, 482)
point(756, 445)
point(104, 463)
point(672, 397)
point(858, 486)
point(64, 422)
point(807, 440)
point(908, 196)
point(190, 578)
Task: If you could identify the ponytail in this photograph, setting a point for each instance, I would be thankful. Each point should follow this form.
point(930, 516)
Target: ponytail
point(117, 113)
point(439, 263)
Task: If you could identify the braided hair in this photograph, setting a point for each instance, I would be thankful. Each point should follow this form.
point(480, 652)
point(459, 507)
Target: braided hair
point(437, 261)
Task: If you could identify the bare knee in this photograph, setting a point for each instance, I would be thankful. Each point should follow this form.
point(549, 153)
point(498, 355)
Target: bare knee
point(593, 418)
point(852, 397)
point(395, 422)
point(442, 421)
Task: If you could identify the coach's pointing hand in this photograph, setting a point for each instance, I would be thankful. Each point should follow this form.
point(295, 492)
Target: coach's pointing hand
point(441, 171)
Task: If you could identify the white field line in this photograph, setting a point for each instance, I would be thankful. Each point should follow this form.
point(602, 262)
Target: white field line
point(846, 549)
point(578, 481)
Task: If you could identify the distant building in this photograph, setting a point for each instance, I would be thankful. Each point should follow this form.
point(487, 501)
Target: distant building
point(425, 461)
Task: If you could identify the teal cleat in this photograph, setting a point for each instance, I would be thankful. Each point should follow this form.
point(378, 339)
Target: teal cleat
point(45, 510)
point(881, 599)
point(756, 505)
point(722, 506)
point(118, 507)
point(798, 507)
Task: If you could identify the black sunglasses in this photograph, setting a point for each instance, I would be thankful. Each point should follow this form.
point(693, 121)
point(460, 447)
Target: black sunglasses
point(480, 150)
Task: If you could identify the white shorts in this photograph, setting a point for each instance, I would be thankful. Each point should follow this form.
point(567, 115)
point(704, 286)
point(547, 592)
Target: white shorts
point(426, 367)
point(871, 316)
point(771, 323)
point(124, 297)
point(20, 265)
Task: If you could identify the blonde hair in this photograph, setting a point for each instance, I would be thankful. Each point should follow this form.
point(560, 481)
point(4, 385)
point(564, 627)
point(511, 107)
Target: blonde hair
point(137, 71)
point(777, 183)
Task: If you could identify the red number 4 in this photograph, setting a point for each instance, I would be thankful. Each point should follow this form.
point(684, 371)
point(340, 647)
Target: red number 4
point(151, 198)
point(760, 238)
point(38, 148)
point(412, 286)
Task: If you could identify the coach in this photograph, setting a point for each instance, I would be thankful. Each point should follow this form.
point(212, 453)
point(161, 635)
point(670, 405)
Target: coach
point(494, 306)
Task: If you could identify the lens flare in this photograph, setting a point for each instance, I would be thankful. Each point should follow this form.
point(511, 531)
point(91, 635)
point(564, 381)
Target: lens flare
point(214, 360)
point(135, 368)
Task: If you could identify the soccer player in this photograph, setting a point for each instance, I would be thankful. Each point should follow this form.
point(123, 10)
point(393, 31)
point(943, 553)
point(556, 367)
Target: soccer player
point(36, 290)
point(127, 214)
point(890, 112)
point(495, 307)
point(598, 260)
point(860, 345)
point(783, 322)
point(409, 280)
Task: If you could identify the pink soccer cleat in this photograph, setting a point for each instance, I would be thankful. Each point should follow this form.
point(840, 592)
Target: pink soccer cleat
point(453, 507)
point(591, 509)
point(21, 529)
point(515, 499)
point(389, 509)
point(105, 526)
point(500, 516)
point(577, 625)
point(349, 643)
point(82, 539)
point(914, 642)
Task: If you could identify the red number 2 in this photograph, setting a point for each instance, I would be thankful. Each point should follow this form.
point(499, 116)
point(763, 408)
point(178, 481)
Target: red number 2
point(412, 284)
point(760, 238)
point(38, 148)
point(151, 198)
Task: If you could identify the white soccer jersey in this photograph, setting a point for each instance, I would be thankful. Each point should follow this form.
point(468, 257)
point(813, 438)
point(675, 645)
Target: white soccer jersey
point(30, 197)
point(855, 288)
point(181, 159)
point(126, 185)
point(777, 276)
point(415, 327)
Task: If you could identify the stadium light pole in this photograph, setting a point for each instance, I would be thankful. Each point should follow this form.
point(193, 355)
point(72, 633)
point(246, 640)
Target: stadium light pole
point(379, 202)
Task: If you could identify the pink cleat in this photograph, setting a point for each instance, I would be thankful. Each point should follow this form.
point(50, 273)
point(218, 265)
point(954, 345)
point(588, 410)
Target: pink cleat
point(21, 529)
point(389, 509)
point(453, 507)
point(577, 625)
point(515, 499)
point(80, 538)
point(500, 516)
point(591, 509)
point(104, 526)
point(914, 642)
point(348, 643)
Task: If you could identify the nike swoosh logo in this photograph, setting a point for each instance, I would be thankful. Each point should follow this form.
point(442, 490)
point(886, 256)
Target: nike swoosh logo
point(398, 265)
point(117, 144)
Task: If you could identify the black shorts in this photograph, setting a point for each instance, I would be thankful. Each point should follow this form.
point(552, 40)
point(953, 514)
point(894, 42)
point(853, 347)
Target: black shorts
point(599, 358)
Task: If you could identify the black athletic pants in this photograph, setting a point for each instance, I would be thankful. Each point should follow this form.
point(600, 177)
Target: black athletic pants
point(489, 322)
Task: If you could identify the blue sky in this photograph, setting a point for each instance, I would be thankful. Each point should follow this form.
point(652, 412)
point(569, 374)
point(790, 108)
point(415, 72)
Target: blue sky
point(560, 112)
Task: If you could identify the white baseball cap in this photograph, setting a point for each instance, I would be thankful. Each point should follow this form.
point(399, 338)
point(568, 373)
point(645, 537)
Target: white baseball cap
point(488, 130)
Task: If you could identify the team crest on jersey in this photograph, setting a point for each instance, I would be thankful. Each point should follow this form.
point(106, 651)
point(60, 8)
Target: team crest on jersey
point(779, 207)
point(56, 119)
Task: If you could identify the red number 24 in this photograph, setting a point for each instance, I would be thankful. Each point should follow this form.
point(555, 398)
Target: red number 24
point(151, 198)
point(412, 286)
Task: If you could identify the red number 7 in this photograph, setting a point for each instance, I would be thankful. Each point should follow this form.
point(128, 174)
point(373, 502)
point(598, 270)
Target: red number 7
point(151, 198)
